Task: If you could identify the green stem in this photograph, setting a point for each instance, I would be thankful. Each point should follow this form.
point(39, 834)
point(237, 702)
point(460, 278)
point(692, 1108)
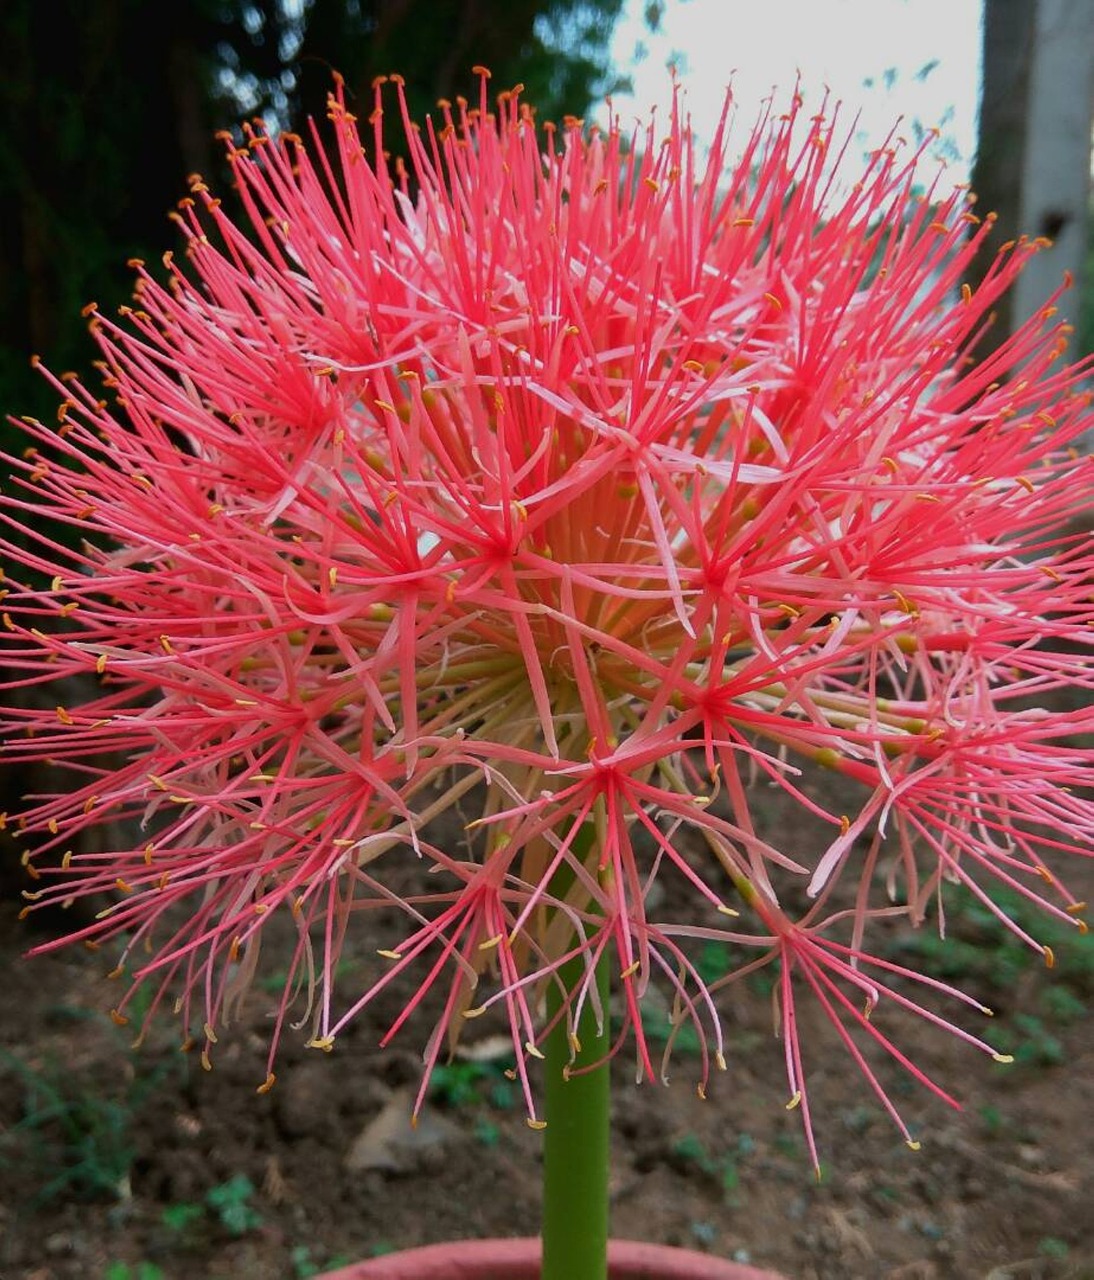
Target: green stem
point(576, 1152)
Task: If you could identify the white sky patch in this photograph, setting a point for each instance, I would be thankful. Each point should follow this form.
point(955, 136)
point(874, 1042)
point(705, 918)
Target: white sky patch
point(919, 59)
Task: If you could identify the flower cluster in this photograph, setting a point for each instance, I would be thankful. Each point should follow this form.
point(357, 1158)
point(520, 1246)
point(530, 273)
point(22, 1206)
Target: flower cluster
point(521, 514)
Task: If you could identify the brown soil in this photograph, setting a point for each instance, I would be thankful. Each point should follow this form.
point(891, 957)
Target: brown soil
point(126, 1166)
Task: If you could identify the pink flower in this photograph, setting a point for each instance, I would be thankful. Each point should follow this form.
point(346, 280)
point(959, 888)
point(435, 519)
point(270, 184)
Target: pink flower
point(567, 486)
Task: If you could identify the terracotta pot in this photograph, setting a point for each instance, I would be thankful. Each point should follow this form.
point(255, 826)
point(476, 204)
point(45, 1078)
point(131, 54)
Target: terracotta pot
point(519, 1260)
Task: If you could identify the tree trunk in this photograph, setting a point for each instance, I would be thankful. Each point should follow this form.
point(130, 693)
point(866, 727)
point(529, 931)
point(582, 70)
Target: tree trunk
point(1032, 165)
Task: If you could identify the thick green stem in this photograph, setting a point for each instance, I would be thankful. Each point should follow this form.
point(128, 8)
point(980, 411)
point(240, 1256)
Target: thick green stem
point(576, 1153)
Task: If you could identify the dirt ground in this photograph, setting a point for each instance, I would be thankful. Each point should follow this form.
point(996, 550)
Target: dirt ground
point(124, 1166)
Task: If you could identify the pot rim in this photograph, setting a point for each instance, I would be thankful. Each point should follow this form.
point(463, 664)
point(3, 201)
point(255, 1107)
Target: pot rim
point(519, 1259)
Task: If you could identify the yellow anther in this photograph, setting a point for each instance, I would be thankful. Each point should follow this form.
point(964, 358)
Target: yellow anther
point(720, 1061)
point(390, 955)
point(795, 1101)
point(122, 886)
point(1026, 483)
point(206, 1063)
point(118, 1018)
point(844, 824)
point(1003, 1057)
point(57, 583)
point(210, 1034)
point(1073, 908)
point(1050, 957)
point(533, 1123)
point(267, 1084)
point(165, 645)
point(63, 716)
point(912, 1144)
point(631, 970)
point(726, 911)
point(100, 663)
point(531, 1050)
point(490, 943)
point(326, 1043)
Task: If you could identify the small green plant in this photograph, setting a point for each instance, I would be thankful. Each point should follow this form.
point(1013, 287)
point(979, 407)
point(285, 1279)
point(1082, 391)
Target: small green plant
point(1052, 1247)
point(141, 1271)
point(1026, 1037)
point(486, 1132)
point(72, 1141)
point(230, 1204)
point(659, 1029)
point(459, 1084)
point(74, 1136)
point(979, 947)
point(305, 1264)
point(179, 1218)
point(992, 1119)
point(690, 1150)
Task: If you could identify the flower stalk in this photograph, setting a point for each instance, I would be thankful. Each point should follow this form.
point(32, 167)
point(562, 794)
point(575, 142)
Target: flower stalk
point(577, 1140)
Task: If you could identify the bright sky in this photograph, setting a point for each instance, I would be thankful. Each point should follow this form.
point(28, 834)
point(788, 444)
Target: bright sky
point(870, 53)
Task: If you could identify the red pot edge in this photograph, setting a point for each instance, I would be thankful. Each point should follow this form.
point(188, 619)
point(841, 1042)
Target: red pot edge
point(519, 1259)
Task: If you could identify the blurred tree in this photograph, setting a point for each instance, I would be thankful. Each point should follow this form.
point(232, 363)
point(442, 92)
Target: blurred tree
point(107, 105)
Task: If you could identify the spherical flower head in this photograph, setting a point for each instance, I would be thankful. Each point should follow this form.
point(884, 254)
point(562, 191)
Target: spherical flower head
point(521, 513)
